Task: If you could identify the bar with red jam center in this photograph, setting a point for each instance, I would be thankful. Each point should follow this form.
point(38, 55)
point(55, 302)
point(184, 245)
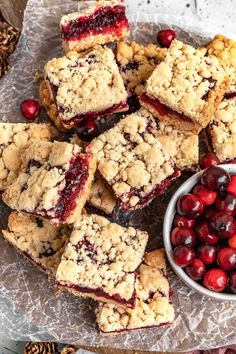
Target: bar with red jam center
point(85, 86)
point(54, 182)
point(101, 261)
point(153, 306)
point(133, 161)
point(37, 240)
point(186, 88)
point(101, 23)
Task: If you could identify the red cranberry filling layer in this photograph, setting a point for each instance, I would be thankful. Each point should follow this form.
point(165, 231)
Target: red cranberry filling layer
point(158, 190)
point(162, 109)
point(230, 95)
point(106, 19)
point(100, 293)
point(40, 265)
point(132, 329)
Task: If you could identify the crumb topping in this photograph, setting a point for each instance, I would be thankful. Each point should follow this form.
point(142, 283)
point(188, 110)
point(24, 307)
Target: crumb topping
point(14, 139)
point(85, 83)
point(131, 158)
point(102, 255)
point(153, 307)
point(37, 239)
point(137, 62)
point(188, 82)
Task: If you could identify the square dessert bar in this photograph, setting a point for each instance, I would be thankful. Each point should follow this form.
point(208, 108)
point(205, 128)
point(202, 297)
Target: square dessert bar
point(153, 306)
point(54, 182)
point(137, 63)
point(37, 240)
point(14, 138)
point(85, 86)
point(185, 88)
point(101, 196)
point(101, 261)
point(133, 162)
point(222, 131)
point(101, 23)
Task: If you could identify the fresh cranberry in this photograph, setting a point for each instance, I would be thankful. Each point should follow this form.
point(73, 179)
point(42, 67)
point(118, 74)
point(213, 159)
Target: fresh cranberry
point(215, 279)
point(232, 282)
point(183, 236)
point(227, 203)
point(190, 205)
point(207, 253)
point(183, 255)
point(222, 225)
point(165, 37)
point(232, 242)
point(196, 269)
point(205, 235)
point(226, 258)
point(208, 212)
point(182, 221)
point(209, 160)
point(215, 178)
point(88, 130)
point(232, 185)
point(30, 109)
point(207, 196)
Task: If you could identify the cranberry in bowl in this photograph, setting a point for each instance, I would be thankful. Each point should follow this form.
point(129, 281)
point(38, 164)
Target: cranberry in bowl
point(200, 246)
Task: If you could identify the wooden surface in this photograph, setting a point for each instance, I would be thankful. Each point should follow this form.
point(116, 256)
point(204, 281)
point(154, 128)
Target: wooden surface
point(12, 11)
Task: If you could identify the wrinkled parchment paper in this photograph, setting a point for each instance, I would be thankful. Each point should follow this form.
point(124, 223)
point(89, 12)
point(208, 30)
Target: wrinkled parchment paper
point(201, 322)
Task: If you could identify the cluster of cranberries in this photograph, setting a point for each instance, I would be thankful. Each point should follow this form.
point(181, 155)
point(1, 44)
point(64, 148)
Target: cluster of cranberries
point(204, 231)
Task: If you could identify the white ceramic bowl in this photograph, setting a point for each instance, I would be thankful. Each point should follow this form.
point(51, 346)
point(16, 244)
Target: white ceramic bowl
point(167, 226)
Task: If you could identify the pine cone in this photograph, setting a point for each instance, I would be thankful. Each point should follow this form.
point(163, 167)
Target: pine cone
point(4, 62)
point(8, 37)
point(69, 350)
point(41, 348)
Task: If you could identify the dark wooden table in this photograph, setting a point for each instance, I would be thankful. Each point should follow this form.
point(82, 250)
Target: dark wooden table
point(13, 11)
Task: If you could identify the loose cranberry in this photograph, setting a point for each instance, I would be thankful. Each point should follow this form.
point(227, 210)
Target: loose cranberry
point(87, 131)
point(183, 255)
point(227, 203)
point(222, 225)
point(183, 236)
point(205, 235)
point(232, 242)
point(30, 109)
point(209, 160)
point(190, 205)
point(232, 186)
point(182, 221)
point(208, 213)
point(226, 258)
point(207, 196)
point(215, 279)
point(196, 269)
point(207, 253)
point(165, 37)
point(215, 178)
point(232, 282)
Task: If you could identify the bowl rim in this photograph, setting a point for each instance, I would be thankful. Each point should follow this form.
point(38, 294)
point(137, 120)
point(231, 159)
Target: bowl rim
point(167, 225)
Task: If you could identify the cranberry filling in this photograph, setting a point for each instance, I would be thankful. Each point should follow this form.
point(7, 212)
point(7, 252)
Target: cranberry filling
point(132, 329)
point(158, 190)
point(102, 294)
point(230, 95)
point(27, 255)
point(106, 19)
point(163, 109)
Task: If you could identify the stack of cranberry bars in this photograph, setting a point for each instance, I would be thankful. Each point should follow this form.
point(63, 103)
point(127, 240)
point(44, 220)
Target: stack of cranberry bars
point(51, 185)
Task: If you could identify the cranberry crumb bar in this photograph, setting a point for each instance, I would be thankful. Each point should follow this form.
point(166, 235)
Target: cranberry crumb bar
point(101, 260)
point(85, 86)
point(153, 307)
point(37, 240)
point(185, 88)
point(137, 63)
point(54, 182)
point(101, 196)
point(133, 162)
point(97, 24)
point(14, 138)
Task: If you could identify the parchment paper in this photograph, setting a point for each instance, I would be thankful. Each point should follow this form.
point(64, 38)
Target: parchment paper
point(201, 323)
